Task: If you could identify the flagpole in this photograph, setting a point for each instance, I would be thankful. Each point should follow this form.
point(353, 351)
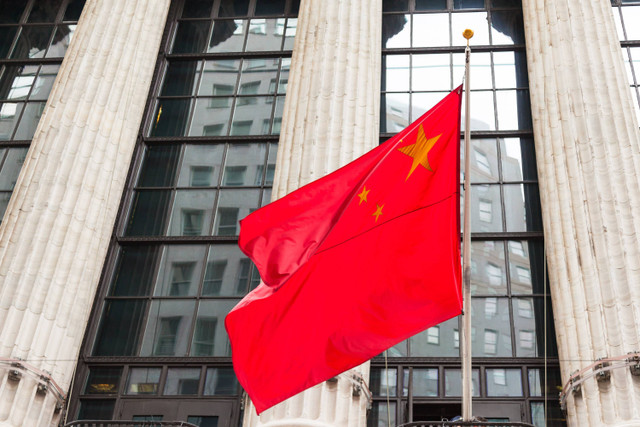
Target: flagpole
point(467, 387)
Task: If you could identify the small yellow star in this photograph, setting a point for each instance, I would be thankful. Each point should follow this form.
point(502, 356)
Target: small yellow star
point(378, 211)
point(363, 195)
point(419, 151)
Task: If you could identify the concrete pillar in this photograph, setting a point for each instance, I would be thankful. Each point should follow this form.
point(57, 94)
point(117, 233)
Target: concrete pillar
point(588, 153)
point(57, 227)
point(331, 116)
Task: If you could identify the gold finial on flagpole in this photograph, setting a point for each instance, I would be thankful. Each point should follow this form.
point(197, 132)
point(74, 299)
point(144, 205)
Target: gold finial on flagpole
point(467, 34)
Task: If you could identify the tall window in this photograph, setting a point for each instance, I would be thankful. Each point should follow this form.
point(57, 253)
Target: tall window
point(422, 60)
point(205, 160)
point(626, 14)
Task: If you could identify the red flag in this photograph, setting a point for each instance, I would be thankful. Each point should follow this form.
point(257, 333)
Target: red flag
point(352, 263)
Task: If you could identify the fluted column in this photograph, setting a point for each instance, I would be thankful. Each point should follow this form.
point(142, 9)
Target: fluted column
point(56, 229)
point(587, 146)
point(331, 116)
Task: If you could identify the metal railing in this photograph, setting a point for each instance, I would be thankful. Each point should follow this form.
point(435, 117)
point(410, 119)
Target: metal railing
point(464, 424)
point(128, 423)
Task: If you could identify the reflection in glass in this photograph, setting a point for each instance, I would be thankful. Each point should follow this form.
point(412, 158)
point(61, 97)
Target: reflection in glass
point(29, 121)
point(211, 117)
point(44, 82)
point(436, 341)
point(180, 78)
point(492, 337)
point(526, 263)
point(504, 382)
point(143, 381)
point(135, 271)
point(486, 209)
point(149, 213)
point(518, 159)
point(477, 21)
point(488, 271)
point(220, 382)
point(12, 160)
point(521, 216)
point(265, 34)
point(257, 75)
point(396, 31)
point(395, 112)
point(383, 382)
point(234, 205)
point(513, 109)
point(380, 413)
point(425, 381)
point(631, 17)
point(180, 271)
point(16, 81)
point(537, 382)
point(191, 37)
point(225, 274)
point(120, 328)
point(290, 33)
point(431, 72)
point(453, 382)
point(219, 77)
point(529, 323)
point(431, 30)
point(482, 111)
point(210, 337)
point(182, 381)
point(395, 72)
point(9, 114)
point(484, 161)
point(167, 330)
point(227, 36)
point(507, 27)
point(510, 69)
point(480, 69)
point(159, 166)
point(242, 164)
point(103, 380)
point(192, 212)
point(61, 40)
point(170, 117)
point(249, 112)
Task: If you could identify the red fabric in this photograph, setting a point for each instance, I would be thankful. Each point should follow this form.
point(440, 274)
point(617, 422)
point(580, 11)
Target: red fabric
point(352, 263)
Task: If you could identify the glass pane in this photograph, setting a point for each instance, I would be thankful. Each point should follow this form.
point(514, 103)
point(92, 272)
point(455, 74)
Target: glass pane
point(518, 159)
point(16, 81)
point(398, 350)
point(9, 114)
point(219, 78)
point(257, 76)
point(182, 381)
point(437, 341)
point(431, 4)
point(510, 69)
point(29, 121)
point(475, 20)
point(284, 76)
point(506, 3)
point(32, 42)
point(197, 9)
point(168, 329)
point(395, 73)
point(425, 382)
point(486, 209)
point(96, 409)
point(149, 213)
point(631, 17)
point(204, 421)
point(507, 27)
point(170, 118)
point(61, 40)
point(227, 36)
point(468, 4)
point(395, 5)
point(488, 271)
point(537, 382)
point(484, 160)
point(269, 7)
point(11, 11)
point(191, 37)
point(521, 216)
point(180, 270)
point(211, 117)
point(103, 380)
point(6, 39)
point(159, 166)
point(210, 337)
point(4, 201)
point(491, 333)
point(228, 272)
point(119, 332)
point(74, 9)
point(383, 382)
point(233, 7)
point(529, 319)
point(430, 30)
point(181, 78)
point(453, 382)
point(290, 33)
point(380, 414)
point(44, 82)
point(265, 34)
point(482, 111)
point(44, 11)
point(526, 264)
point(11, 165)
point(480, 70)
point(431, 72)
point(395, 112)
point(514, 111)
point(192, 212)
point(143, 381)
point(396, 31)
point(244, 164)
point(135, 271)
point(504, 382)
point(201, 166)
point(266, 197)
point(220, 382)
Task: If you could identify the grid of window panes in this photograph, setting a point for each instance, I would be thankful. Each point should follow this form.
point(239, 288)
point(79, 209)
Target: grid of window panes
point(626, 14)
point(34, 36)
point(205, 160)
point(422, 60)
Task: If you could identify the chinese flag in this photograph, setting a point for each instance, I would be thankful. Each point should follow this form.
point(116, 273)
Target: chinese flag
point(352, 263)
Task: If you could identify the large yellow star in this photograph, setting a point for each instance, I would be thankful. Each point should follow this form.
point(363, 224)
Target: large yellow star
point(363, 195)
point(419, 151)
point(378, 211)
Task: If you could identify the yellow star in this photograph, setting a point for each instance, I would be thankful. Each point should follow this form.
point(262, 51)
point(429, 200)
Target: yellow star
point(363, 195)
point(378, 211)
point(419, 151)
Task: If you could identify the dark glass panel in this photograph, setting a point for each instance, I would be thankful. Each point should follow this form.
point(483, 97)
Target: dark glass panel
point(555, 417)
point(220, 382)
point(395, 5)
point(203, 421)
point(74, 9)
point(295, 7)
point(11, 11)
point(29, 121)
point(431, 4)
point(135, 271)
point(233, 8)
point(6, 39)
point(181, 78)
point(171, 117)
point(103, 380)
point(507, 27)
point(380, 414)
point(4, 201)
point(384, 382)
point(143, 381)
point(61, 40)
point(210, 337)
point(44, 82)
point(11, 164)
point(182, 381)
point(491, 332)
point(197, 9)
point(168, 329)
point(468, 4)
point(529, 324)
point(521, 216)
point(504, 382)
point(269, 7)
point(537, 382)
point(9, 114)
point(44, 11)
point(191, 37)
point(396, 31)
point(227, 36)
point(120, 328)
point(149, 213)
point(96, 409)
point(16, 81)
point(507, 3)
point(159, 166)
point(180, 271)
point(453, 382)
point(32, 42)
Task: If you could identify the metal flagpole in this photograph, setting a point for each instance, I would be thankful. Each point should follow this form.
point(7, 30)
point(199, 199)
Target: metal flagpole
point(467, 388)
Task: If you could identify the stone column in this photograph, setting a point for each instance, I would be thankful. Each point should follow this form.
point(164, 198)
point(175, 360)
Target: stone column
point(587, 145)
point(331, 116)
point(57, 227)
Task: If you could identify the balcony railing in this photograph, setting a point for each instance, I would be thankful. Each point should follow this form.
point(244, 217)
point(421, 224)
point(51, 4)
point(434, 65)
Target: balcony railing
point(128, 423)
point(465, 424)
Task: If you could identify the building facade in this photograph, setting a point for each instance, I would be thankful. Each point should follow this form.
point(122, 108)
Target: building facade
point(126, 166)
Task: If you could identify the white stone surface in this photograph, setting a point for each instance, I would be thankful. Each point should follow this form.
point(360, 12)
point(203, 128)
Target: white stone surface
point(331, 116)
point(56, 229)
point(588, 154)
